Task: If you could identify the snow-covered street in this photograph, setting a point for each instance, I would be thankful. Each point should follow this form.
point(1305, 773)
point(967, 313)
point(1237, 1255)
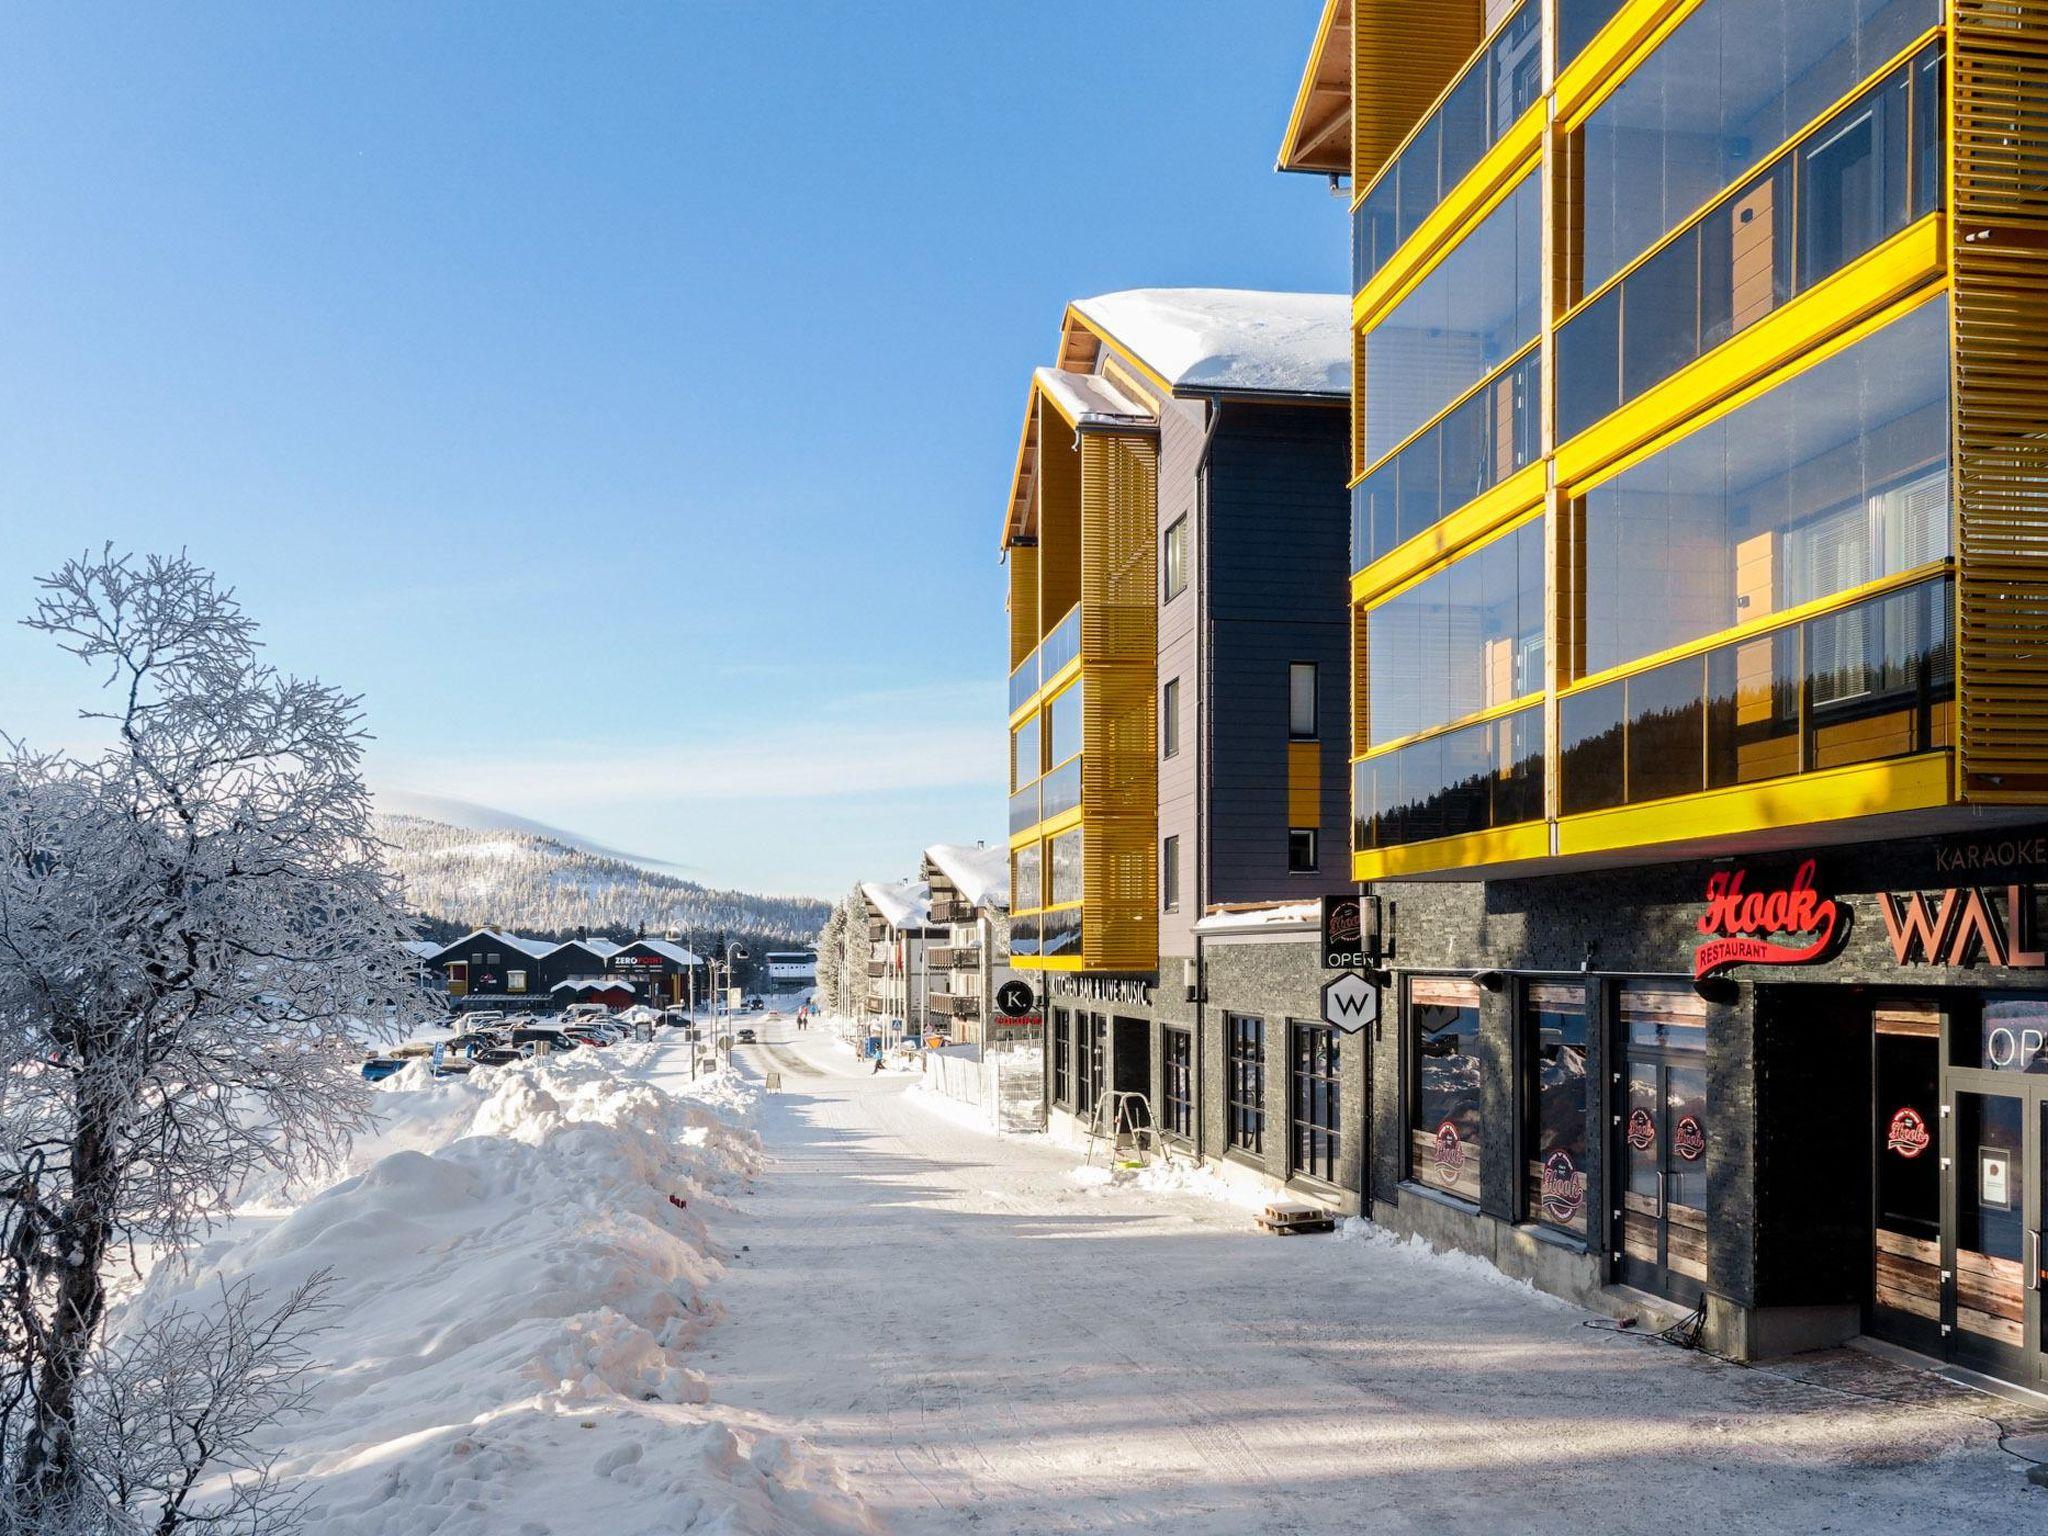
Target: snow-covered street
point(985, 1341)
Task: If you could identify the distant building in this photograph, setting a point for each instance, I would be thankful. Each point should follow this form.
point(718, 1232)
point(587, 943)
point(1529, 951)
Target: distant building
point(494, 964)
point(900, 933)
point(792, 967)
point(970, 958)
point(662, 969)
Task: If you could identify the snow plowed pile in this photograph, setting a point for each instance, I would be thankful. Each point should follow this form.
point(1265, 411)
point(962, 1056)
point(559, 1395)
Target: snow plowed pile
point(516, 1295)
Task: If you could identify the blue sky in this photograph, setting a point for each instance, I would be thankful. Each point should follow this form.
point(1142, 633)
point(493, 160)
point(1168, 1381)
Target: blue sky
point(622, 397)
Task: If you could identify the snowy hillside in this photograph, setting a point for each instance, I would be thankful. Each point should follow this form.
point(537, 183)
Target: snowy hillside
point(476, 877)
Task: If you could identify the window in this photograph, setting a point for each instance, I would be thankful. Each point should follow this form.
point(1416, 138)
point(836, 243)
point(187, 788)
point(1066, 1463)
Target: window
point(1169, 874)
point(1088, 1062)
point(1837, 477)
point(1466, 639)
point(1871, 681)
point(1027, 878)
point(515, 981)
point(1169, 718)
point(496, 959)
point(1063, 724)
point(1062, 1057)
point(1468, 780)
point(1474, 312)
point(1722, 92)
point(1447, 1088)
point(1178, 1082)
point(1025, 766)
point(1174, 567)
point(1301, 851)
point(1065, 851)
point(1246, 1039)
point(1316, 1121)
point(1301, 701)
point(1556, 1112)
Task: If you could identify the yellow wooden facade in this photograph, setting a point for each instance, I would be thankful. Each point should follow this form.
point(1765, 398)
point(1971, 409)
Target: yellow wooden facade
point(1983, 253)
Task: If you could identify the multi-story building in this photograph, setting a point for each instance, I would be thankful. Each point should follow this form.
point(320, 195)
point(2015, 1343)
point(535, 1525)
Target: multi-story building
point(1699, 622)
point(970, 901)
point(1175, 537)
point(900, 938)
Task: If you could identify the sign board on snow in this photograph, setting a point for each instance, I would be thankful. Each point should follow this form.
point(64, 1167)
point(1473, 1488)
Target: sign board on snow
point(1351, 933)
point(732, 997)
point(1350, 1002)
point(1015, 999)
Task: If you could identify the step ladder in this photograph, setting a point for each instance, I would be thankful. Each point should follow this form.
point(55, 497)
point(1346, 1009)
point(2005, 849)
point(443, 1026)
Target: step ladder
point(1121, 1120)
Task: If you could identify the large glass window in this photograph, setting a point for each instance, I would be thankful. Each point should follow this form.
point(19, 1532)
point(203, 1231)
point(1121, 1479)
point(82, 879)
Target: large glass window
point(1027, 878)
point(1063, 724)
point(1062, 1057)
point(1556, 1109)
point(1066, 868)
point(1466, 639)
point(1714, 99)
point(1853, 183)
point(1477, 308)
point(1245, 1041)
point(1178, 1074)
point(1485, 438)
point(1872, 681)
point(1502, 82)
point(1463, 781)
point(1446, 1102)
point(1059, 933)
point(1316, 1101)
point(1301, 700)
point(1837, 477)
point(1578, 23)
point(1024, 760)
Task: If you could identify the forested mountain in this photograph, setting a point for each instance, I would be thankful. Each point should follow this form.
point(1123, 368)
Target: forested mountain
point(539, 885)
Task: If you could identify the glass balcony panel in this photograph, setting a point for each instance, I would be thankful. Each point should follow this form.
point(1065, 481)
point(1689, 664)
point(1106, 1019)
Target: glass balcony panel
point(1061, 789)
point(1589, 734)
point(1469, 780)
point(1027, 877)
point(1063, 723)
point(1589, 365)
point(1929, 87)
point(1880, 679)
point(1024, 809)
point(1716, 97)
point(1667, 731)
point(1476, 309)
point(1062, 645)
point(1060, 933)
point(1417, 173)
point(1026, 761)
point(1023, 936)
point(1023, 682)
point(1578, 23)
point(1837, 477)
point(1753, 710)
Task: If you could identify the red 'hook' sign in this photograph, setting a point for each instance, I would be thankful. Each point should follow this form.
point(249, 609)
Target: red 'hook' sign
point(1746, 923)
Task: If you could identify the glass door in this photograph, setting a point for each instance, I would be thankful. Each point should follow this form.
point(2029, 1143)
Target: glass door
point(1906, 1257)
point(1997, 1235)
point(1661, 1143)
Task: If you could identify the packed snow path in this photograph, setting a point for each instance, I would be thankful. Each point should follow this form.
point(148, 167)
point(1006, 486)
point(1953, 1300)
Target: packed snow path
point(987, 1343)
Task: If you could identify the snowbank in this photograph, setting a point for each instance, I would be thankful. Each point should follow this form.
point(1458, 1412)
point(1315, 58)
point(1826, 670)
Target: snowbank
point(520, 1267)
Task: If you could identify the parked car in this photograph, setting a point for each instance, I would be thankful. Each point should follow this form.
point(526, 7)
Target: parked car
point(756, 1004)
point(677, 1018)
point(746, 1037)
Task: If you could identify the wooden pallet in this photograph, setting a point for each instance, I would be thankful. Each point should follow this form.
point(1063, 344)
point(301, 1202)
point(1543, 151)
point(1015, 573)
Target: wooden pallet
point(1289, 1218)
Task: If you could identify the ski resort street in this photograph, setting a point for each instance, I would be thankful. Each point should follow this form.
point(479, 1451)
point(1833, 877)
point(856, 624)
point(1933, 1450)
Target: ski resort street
point(985, 1339)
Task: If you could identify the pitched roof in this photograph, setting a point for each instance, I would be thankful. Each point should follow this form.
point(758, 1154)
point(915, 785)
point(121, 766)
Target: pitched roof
point(1230, 340)
point(666, 950)
point(980, 874)
point(532, 948)
point(902, 903)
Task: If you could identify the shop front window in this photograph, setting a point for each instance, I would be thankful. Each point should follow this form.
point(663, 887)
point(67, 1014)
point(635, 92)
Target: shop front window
point(1555, 1105)
point(1246, 1067)
point(1179, 1084)
point(1316, 1101)
point(1446, 1100)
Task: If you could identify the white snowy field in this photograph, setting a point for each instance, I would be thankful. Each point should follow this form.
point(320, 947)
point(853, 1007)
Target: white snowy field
point(987, 1338)
point(868, 1316)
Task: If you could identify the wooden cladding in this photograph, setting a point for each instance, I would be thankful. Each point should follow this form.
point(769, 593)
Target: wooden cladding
point(1024, 626)
point(1120, 664)
point(1998, 197)
point(1403, 54)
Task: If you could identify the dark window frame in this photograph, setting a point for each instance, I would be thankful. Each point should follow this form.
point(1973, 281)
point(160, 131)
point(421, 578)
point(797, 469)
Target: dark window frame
point(1169, 873)
point(1062, 1065)
point(1173, 559)
point(1313, 862)
point(1244, 1091)
point(1317, 1102)
point(1169, 718)
point(1314, 670)
point(1177, 1083)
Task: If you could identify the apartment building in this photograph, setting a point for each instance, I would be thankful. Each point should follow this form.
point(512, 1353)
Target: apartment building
point(900, 937)
point(970, 901)
point(1175, 538)
point(1698, 590)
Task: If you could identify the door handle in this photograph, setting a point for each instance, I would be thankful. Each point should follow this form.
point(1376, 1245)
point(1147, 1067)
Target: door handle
point(2034, 1259)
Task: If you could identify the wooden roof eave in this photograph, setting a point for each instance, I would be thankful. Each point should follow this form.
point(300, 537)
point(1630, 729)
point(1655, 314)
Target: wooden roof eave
point(1317, 141)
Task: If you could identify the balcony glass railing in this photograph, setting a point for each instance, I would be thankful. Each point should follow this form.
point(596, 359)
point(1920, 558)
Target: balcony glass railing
point(1060, 933)
point(1578, 23)
point(1023, 937)
point(1054, 651)
point(1872, 681)
point(1475, 445)
point(1854, 181)
point(1060, 790)
point(1471, 779)
point(1024, 809)
point(1501, 83)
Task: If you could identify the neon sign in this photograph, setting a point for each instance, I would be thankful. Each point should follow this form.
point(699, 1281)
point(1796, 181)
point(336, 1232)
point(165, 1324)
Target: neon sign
point(1748, 927)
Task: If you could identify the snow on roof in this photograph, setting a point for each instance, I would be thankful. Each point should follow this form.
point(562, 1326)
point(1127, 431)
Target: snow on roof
point(604, 949)
point(592, 984)
point(1269, 917)
point(981, 874)
point(1090, 400)
point(1230, 340)
point(534, 948)
point(902, 903)
point(424, 949)
point(666, 950)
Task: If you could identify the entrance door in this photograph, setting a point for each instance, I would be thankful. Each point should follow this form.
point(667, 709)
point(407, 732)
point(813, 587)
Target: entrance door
point(1661, 1142)
point(458, 978)
point(1906, 1257)
point(1997, 1189)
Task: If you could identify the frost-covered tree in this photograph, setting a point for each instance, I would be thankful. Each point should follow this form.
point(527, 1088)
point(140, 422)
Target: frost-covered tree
point(195, 930)
point(831, 959)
